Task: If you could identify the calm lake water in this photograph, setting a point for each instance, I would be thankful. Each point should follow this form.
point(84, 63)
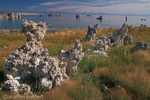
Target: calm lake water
point(70, 21)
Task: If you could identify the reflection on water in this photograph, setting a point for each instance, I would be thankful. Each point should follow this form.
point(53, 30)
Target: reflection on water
point(70, 21)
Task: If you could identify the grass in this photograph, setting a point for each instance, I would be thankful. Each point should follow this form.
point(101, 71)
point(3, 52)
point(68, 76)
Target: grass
point(88, 64)
point(73, 90)
point(129, 70)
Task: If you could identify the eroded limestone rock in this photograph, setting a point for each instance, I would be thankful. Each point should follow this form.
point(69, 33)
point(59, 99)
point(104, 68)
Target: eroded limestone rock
point(13, 85)
point(92, 31)
point(32, 60)
point(72, 57)
point(119, 38)
point(141, 45)
point(101, 46)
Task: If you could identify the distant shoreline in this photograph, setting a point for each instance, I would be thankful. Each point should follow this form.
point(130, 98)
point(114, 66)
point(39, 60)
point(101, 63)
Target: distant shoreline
point(24, 13)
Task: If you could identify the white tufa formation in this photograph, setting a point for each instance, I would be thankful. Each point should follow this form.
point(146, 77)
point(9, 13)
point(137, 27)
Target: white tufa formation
point(101, 46)
point(32, 60)
point(13, 85)
point(72, 57)
point(119, 38)
point(92, 31)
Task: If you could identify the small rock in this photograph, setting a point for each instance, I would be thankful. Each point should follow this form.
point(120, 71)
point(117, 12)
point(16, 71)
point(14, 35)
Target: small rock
point(5, 47)
point(141, 45)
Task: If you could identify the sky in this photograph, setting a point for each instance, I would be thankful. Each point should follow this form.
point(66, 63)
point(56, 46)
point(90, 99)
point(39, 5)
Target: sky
point(140, 7)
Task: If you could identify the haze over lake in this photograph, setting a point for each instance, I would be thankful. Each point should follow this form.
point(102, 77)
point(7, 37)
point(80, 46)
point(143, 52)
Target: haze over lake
point(70, 21)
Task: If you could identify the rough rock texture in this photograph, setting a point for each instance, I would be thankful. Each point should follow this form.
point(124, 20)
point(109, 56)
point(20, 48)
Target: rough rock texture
point(32, 60)
point(92, 31)
point(14, 85)
point(140, 46)
point(101, 45)
point(119, 38)
point(72, 57)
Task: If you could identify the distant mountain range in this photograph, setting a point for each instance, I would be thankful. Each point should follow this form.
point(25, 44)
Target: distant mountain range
point(90, 13)
point(28, 13)
point(84, 13)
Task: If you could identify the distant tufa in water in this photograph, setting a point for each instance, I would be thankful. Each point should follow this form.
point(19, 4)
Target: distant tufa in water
point(11, 16)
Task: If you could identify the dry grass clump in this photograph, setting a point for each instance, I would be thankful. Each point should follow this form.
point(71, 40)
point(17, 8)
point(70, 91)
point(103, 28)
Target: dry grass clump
point(109, 84)
point(140, 34)
point(65, 37)
point(135, 82)
point(73, 90)
point(142, 58)
point(100, 71)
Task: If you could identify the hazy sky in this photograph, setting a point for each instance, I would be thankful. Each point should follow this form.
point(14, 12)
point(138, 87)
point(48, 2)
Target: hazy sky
point(78, 6)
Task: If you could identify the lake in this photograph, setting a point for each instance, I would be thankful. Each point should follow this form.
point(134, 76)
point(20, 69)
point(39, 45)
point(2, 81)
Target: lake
point(70, 21)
